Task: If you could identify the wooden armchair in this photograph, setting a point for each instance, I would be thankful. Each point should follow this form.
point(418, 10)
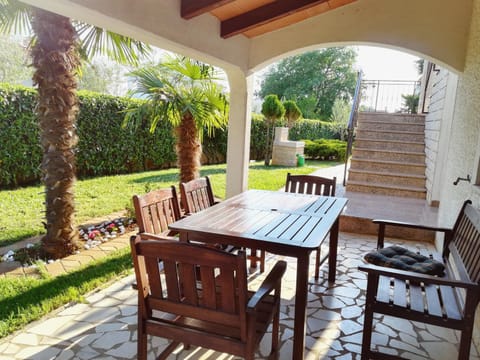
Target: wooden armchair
point(314, 185)
point(197, 195)
point(156, 210)
point(215, 311)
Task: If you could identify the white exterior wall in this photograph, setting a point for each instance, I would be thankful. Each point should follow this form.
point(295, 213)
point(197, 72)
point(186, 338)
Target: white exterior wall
point(437, 128)
point(463, 140)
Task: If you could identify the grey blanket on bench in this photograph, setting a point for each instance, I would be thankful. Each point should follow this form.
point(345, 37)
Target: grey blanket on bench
point(400, 258)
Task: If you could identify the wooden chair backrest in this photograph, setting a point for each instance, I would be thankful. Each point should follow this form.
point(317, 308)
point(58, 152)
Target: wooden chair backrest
point(196, 195)
point(310, 184)
point(157, 209)
point(197, 283)
point(463, 249)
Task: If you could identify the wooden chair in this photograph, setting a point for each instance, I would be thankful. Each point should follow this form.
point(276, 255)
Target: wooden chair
point(449, 301)
point(310, 184)
point(219, 313)
point(197, 195)
point(156, 210)
point(314, 185)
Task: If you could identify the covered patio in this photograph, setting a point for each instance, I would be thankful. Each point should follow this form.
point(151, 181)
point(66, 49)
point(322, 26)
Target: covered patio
point(443, 31)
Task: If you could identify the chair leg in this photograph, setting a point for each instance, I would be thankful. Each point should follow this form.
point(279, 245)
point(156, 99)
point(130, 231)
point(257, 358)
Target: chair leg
point(141, 342)
point(262, 261)
point(275, 332)
point(253, 258)
point(372, 283)
point(317, 264)
point(465, 342)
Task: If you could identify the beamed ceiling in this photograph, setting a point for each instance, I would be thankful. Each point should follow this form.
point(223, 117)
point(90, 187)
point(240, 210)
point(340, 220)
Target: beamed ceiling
point(256, 17)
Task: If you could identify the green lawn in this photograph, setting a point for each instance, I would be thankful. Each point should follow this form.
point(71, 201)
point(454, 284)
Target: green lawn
point(26, 299)
point(21, 210)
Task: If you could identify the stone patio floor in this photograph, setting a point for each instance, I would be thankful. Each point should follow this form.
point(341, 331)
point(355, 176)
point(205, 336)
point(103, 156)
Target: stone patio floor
point(105, 326)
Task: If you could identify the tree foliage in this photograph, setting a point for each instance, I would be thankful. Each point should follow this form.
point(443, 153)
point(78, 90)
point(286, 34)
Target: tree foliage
point(14, 60)
point(410, 103)
point(313, 80)
point(340, 115)
point(272, 109)
point(104, 77)
point(292, 112)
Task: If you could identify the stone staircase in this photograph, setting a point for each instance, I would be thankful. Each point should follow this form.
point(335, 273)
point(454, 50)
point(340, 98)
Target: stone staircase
point(389, 155)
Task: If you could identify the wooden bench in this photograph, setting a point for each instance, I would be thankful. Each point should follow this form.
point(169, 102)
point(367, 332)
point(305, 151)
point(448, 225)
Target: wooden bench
point(449, 301)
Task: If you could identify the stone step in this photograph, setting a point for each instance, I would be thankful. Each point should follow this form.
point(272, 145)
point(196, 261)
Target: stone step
point(383, 177)
point(388, 117)
point(391, 135)
point(361, 225)
point(390, 126)
point(385, 189)
point(398, 145)
point(389, 166)
point(407, 156)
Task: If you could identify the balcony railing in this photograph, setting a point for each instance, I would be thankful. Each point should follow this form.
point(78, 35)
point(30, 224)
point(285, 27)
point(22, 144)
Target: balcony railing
point(386, 95)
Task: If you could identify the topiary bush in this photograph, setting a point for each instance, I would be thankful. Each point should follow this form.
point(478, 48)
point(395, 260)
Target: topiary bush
point(325, 149)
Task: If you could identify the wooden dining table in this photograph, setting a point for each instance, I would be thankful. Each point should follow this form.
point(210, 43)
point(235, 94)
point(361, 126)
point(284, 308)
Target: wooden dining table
point(278, 222)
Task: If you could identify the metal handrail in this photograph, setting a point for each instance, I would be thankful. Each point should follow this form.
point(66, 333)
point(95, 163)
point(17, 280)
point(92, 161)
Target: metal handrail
point(386, 95)
point(352, 122)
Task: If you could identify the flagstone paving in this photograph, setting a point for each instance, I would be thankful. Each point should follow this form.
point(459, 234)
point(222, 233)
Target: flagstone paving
point(105, 326)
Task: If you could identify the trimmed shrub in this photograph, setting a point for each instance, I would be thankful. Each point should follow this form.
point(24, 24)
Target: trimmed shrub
point(325, 149)
point(312, 129)
point(107, 148)
point(20, 152)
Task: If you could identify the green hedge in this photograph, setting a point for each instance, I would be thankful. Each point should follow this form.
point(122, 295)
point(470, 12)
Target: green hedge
point(313, 129)
point(105, 147)
point(325, 149)
point(20, 152)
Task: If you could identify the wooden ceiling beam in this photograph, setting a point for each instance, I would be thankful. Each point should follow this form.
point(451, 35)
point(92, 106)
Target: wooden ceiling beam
point(192, 8)
point(263, 15)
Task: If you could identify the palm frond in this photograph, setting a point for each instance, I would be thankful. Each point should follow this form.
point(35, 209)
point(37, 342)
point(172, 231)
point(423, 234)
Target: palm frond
point(123, 49)
point(15, 18)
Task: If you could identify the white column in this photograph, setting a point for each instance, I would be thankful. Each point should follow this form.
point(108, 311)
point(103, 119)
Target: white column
point(238, 146)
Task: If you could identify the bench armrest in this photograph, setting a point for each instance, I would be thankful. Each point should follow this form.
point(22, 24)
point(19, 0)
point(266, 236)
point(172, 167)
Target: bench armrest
point(416, 277)
point(271, 282)
point(383, 224)
point(410, 225)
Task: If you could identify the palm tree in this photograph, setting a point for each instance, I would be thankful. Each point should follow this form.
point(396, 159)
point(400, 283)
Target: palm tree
point(55, 50)
point(185, 93)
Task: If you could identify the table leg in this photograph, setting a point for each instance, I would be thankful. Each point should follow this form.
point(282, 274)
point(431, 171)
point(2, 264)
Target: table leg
point(300, 306)
point(332, 257)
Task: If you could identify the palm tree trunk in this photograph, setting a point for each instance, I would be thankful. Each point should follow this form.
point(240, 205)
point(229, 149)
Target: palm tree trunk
point(55, 59)
point(189, 149)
